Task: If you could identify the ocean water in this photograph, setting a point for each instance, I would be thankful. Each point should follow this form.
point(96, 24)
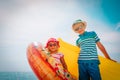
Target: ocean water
point(17, 76)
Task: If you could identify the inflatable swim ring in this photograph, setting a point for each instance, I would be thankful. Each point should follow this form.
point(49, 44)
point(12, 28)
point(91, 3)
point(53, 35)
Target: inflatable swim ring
point(44, 65)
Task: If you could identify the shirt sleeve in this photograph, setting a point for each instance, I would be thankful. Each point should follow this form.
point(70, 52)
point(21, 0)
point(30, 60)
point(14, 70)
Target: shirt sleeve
point(77, 44)
point(61, 55)
point(96, 37)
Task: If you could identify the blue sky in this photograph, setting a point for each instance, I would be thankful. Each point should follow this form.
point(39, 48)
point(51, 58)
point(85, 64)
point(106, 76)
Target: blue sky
point(24, 21)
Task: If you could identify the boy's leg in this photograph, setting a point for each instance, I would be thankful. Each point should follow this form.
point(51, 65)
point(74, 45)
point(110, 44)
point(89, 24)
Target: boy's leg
point(94, 71)
point(83, 73)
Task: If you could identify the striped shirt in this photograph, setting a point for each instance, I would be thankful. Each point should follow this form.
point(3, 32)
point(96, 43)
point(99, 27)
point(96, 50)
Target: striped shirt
point(87, 43)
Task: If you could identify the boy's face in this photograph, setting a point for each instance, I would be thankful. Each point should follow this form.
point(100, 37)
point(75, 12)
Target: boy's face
point(53, 47)
point(79, 28)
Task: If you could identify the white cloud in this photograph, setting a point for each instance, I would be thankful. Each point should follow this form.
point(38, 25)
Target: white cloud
point(41, 20)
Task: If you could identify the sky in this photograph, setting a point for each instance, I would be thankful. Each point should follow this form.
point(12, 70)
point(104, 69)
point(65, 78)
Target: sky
point(26, 21)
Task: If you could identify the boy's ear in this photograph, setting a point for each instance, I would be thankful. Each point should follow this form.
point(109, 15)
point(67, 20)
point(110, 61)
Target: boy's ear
point(85, 27)
point(85, 24)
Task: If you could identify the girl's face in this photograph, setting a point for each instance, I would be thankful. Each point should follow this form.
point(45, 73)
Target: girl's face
point(53, 47)
point(79, 28)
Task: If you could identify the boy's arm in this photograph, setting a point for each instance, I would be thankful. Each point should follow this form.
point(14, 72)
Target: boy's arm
point(102, 48)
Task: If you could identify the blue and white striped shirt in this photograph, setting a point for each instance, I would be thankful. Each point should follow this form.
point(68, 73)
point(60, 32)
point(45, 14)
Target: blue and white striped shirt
point(87, 43)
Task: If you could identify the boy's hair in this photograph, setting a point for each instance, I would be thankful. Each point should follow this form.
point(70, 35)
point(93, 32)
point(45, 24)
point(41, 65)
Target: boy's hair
point(52, 40)
point(79, 21)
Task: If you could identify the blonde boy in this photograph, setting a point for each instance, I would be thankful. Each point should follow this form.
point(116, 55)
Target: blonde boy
point(88, 62)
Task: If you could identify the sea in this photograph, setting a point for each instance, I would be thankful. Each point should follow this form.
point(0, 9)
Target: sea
point(17, 76)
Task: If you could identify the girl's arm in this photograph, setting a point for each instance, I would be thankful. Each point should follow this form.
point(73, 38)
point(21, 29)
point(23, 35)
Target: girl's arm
point(63, 63)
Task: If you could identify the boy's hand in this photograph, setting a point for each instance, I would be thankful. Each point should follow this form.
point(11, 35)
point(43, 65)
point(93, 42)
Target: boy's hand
point(113, 60)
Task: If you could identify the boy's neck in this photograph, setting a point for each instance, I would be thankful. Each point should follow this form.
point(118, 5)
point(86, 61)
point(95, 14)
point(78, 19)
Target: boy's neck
point(82, 33)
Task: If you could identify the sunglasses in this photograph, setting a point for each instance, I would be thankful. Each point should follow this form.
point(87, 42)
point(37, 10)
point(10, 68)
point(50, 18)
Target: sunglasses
point(78, 28)
point(52, 45)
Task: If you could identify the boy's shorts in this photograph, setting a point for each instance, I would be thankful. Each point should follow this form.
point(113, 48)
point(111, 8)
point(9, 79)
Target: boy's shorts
point(89, 70)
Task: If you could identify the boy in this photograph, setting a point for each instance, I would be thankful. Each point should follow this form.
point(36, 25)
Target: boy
point(88, 62)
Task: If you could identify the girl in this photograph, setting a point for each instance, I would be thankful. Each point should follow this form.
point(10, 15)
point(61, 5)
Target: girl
point(56, 59)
